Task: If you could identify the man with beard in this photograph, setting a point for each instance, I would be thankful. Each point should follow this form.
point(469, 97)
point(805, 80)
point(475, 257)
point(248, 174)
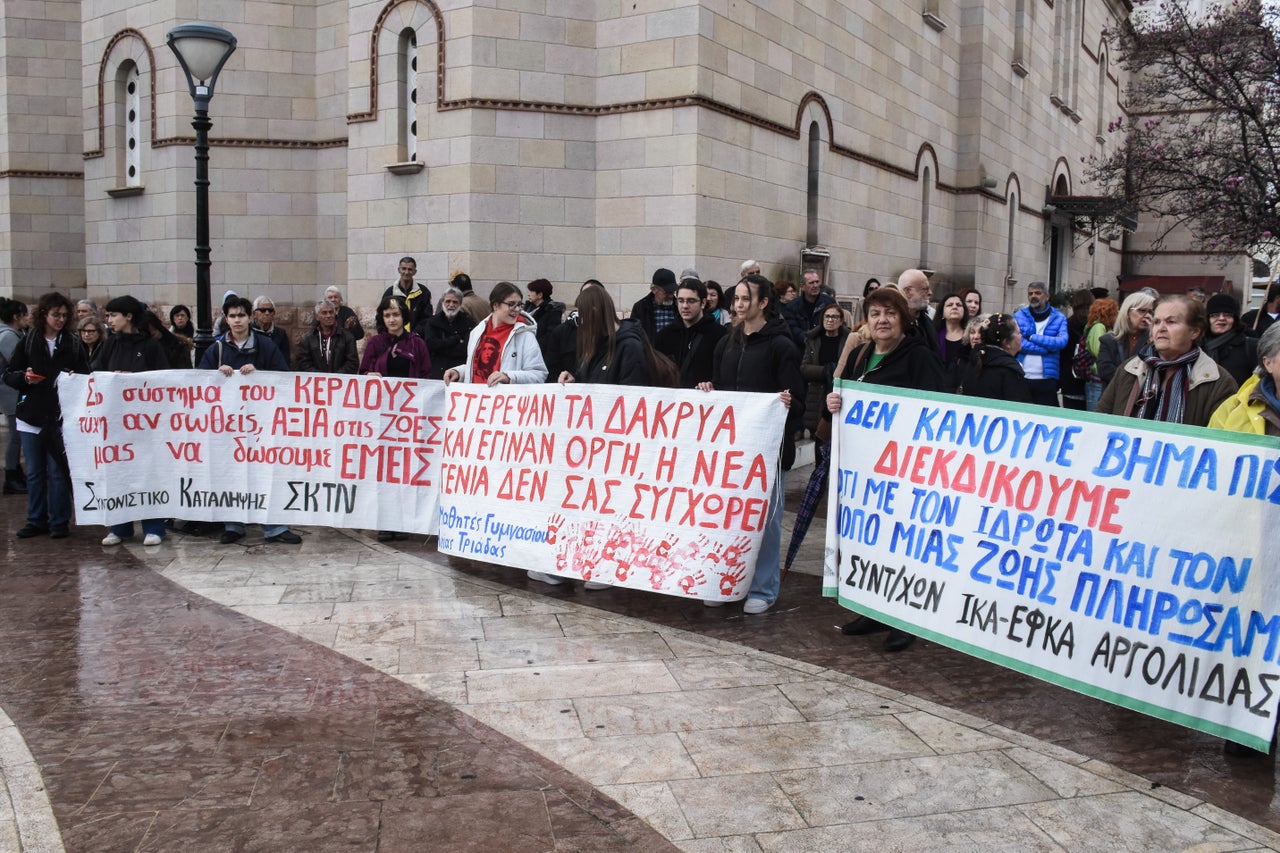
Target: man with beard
point(327, 348)
point(447, 332)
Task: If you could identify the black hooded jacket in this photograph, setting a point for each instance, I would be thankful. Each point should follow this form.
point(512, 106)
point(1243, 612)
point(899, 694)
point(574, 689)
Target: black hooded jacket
point(629, 365)
point(767, 361)
point(994, 374)
point(692, 348)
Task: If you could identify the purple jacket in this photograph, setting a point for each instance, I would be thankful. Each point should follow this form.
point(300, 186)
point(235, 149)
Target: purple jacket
point(412, 347)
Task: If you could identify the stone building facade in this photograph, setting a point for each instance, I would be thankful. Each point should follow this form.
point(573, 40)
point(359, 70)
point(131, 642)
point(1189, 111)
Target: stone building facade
point(562, 139)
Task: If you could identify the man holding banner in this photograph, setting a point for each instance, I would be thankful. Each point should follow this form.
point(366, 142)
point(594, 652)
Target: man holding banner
point(758, 355)
point(243, 350)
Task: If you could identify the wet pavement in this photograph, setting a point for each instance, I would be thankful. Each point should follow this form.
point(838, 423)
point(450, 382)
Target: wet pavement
point(346, 695)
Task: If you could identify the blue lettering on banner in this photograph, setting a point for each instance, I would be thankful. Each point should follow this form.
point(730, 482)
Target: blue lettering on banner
point(1018, 438)
point(1124, 458)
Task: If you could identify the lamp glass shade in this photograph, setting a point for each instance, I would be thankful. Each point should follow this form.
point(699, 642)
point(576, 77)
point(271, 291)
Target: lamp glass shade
point(202, 55)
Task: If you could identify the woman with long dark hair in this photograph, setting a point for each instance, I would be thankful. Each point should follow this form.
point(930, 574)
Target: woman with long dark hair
point(717, 305)
point(953, 342)
point(613, 351)
point(132, 349)
point(49, 349)
point(180, 322)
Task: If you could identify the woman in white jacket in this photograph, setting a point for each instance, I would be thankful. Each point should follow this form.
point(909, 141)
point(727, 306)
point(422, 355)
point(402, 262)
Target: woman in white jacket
point(504, 348)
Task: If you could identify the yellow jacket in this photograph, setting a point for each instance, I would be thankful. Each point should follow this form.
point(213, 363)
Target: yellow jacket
point(1246, 411)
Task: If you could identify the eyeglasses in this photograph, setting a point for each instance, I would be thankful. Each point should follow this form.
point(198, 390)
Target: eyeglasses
point(515, 304)
point(266, 310)
point(833, 318)
point(1143, 310)
point(693, 301)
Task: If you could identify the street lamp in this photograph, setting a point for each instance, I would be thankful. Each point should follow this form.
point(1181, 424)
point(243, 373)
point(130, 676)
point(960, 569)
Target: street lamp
point(202, 50)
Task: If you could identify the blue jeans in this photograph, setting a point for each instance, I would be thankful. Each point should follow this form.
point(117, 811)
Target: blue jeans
point(149, 526)
point(48, 489)
point(268, 530)
point(13, 450)
point(768, 576)
point(1092, 394)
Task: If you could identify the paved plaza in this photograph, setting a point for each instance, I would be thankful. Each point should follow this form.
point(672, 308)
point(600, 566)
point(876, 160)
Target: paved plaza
point(346, 695)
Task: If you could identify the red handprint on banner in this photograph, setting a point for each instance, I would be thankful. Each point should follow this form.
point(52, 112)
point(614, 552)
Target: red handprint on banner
point(554, 523)
point(688, 582)
point(734, 552)
point(729, 580)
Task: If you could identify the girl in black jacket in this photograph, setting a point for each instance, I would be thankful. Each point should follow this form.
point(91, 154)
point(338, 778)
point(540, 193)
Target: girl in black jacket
point(49, 349)
point(993, 371)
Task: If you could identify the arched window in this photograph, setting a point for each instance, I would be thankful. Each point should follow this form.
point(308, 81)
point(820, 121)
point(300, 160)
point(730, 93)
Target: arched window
point(926, 193)
point(408, 103)
point(128, 125)
point(815, 139)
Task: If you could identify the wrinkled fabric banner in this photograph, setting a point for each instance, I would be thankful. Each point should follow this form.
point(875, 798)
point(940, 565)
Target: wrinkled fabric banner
point(280, 448)
point(1128, 560)
point(649, 488)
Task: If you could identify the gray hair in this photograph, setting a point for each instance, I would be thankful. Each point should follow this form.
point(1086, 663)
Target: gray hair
point(1133, 302)
point(263, 300)
point(333, 288)
point(1268, 346)
point(88, 302)
point(451, 291)
point(323, 303)
point(746, 265)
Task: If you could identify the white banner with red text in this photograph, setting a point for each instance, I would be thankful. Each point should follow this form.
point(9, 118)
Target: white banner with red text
point(279, 448)
point(1131, 561)
point(648, 488)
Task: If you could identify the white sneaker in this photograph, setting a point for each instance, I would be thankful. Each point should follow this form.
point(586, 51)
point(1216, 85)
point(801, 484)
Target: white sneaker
point(543, 577)
point(756, 605)
point(597, 585)
point(709, 603)
point(151, 539)
point(111, 539)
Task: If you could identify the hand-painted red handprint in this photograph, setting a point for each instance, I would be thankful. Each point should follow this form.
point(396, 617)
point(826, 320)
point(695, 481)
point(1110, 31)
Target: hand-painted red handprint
point(658, 575)
point(688, 582)
point(733, 553)
point(729, 580)
point(589, 533)
point(554, 523)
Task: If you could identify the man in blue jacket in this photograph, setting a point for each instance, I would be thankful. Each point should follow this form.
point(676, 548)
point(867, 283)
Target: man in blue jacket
point(1044, 334)
point(242, 349)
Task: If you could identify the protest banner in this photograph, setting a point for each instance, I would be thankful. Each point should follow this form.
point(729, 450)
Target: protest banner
point(648, 488)
point(282, 448)
point(1128, 560)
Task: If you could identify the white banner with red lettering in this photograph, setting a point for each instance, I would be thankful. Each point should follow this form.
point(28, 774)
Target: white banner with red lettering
point(648, 488)
point(282, 448)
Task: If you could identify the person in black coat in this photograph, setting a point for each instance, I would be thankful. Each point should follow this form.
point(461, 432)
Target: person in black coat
point(1227, 343)
point(691, 342)
point(993, 371)
point(545, 311)
point(48, 350)
point(447, 333)
point(327, 347)
point(759, 355)
point(613, 352)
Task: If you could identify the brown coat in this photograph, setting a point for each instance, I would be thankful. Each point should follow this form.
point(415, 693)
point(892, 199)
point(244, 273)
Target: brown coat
point(1210, 385)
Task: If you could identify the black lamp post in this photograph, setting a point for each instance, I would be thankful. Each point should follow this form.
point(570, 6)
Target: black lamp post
point(202, 50)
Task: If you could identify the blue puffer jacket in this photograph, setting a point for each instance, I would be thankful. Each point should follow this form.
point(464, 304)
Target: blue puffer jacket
point(1048, 343)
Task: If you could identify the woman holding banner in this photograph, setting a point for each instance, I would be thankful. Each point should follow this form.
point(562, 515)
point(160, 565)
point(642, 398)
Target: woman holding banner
point(504, 348)
point(892, 357)
point(395, 352)
point(1255, 408)
point(49, 349)
point(131, 349)
point(1177, 382)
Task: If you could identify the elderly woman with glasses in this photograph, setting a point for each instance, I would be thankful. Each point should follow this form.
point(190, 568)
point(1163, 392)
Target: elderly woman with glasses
point(92, 334)
point(504, 348)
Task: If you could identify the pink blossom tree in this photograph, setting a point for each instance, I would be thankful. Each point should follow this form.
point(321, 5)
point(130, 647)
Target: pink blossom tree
point(1199, 145)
